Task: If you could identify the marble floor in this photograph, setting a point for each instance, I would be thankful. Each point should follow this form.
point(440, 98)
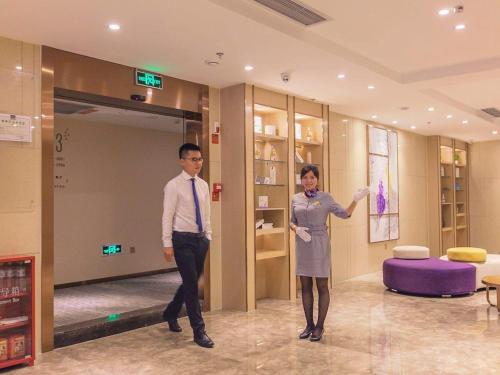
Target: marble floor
point(87, 302)
point(369, 331)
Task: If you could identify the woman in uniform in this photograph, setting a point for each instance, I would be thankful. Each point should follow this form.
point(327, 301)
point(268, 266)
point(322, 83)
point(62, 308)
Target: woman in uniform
point(309, 212)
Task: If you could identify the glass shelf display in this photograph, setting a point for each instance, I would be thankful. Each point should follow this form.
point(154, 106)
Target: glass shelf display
point(16, 311)
point(308, 131)
point(271, 180)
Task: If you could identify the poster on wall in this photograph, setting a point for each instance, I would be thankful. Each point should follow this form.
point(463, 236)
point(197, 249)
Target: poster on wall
point(15, 128)
point(393, 173)
point(383, 204)
point(377, 141)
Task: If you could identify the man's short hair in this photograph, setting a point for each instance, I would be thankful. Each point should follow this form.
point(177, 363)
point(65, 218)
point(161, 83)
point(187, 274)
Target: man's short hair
point(186, 147)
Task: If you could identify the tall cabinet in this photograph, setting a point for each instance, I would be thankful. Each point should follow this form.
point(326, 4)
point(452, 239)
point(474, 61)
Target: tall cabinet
point(448, 194)
point(266, 138)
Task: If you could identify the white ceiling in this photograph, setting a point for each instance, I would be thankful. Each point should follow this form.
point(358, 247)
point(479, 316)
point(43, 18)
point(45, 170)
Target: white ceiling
point(414, 57)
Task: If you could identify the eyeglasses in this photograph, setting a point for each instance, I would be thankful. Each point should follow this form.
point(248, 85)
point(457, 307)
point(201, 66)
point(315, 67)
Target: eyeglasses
point(194, 160)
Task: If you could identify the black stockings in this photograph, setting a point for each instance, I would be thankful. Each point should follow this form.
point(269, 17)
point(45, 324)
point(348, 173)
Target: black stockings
point(308, 301)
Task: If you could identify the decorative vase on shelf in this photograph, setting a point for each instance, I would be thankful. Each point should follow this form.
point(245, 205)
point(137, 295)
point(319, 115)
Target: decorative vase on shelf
point(309, 134)
point(258, 154)
point(309, 157)
point(272, 175)
point(274, 154)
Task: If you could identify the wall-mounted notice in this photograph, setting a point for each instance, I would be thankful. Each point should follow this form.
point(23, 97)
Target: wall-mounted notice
point(15, 128)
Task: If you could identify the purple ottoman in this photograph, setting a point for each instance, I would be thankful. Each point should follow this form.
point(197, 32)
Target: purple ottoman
point(430, 277)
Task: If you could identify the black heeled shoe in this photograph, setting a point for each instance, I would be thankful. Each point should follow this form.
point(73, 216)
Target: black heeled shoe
point(317, 337)
point(306, 333)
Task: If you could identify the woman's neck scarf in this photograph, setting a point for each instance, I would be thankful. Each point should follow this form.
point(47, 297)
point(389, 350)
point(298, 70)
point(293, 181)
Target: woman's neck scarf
point(311, 193)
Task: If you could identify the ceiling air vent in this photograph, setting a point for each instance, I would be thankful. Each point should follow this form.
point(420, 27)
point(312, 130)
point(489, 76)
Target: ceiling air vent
point(293, 10)
point(492, 111)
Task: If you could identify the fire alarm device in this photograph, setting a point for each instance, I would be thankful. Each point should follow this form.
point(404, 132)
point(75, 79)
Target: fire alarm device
point(216, 127)
point(216, 189)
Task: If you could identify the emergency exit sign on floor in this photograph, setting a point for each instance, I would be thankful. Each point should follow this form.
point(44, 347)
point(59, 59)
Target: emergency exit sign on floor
point(148, 79)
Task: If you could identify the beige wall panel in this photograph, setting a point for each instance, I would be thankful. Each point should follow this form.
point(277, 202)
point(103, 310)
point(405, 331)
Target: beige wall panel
point(339, 145)
point(365, 258)
point(11, 93)
point(216, 208)
point(478, 233)
point(490, 191)
point(412, 232)
point(270, 98)
point(340, 254)
point(348, 173)
point(20, 163)
point(18, 194)
point(433, 196)
point(12, 53)
point(307, 107)
point(412, 155)
point(233, 223)
point(412, 209)
point(248, 148)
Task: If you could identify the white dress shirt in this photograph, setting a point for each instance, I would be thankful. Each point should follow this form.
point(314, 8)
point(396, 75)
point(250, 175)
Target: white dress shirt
point(179, 212)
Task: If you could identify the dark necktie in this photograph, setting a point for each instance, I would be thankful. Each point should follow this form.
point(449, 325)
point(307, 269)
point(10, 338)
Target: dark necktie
point(197, 207)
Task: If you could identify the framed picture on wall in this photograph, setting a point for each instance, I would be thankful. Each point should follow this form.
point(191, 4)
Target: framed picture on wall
point(383, 205)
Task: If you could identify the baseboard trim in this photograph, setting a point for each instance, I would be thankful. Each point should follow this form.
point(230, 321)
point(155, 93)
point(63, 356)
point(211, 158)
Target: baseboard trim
point(115, 278)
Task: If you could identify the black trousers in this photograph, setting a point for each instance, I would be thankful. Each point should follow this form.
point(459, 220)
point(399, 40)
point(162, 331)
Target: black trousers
point(190, 250)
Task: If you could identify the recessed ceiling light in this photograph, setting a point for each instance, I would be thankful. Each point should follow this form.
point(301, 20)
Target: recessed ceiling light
point(19, 67)
point(341, 76)
point(413, 127)
point(394, 122)
point(248, 68)
point(465, 122)
point(345, 120)
point(114, 26)
point(371, 87)
point(444, 12)
point(374, 117)
point(430, 109)
point(494, 132)
point(460, 26)
point(449, 116)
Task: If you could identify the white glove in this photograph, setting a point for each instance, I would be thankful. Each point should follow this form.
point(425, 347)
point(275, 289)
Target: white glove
point(360, 194)
point(301, 232)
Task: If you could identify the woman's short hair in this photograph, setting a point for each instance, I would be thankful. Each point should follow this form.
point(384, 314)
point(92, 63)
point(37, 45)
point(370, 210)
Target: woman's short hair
point(309, 168)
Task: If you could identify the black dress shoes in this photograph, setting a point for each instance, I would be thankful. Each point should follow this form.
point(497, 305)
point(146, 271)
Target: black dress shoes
point(317, 336)
point(203, 340)
point(174, 326)
point(306, 333)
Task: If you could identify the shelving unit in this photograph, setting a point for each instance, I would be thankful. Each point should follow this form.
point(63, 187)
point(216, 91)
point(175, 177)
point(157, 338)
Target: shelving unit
point(308, 131)
point(450, 189)
point(259, 174)
point(271, 245)
point(17, 331)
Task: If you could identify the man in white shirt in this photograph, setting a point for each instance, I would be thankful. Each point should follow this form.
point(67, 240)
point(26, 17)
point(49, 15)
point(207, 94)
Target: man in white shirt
point(186, 236)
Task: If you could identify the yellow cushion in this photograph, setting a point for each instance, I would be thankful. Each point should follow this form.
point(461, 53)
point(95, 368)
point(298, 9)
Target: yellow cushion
point(467, 254)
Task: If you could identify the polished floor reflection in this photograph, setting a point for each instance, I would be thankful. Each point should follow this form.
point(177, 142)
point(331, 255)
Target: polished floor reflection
point(369, 331)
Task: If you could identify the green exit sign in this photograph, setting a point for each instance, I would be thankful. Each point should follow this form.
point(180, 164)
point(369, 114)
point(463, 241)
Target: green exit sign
point(148, 79)
point(111, 249)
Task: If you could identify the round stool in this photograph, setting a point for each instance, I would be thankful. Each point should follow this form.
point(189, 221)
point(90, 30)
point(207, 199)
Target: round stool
point(410, 252)
point(467, 254)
